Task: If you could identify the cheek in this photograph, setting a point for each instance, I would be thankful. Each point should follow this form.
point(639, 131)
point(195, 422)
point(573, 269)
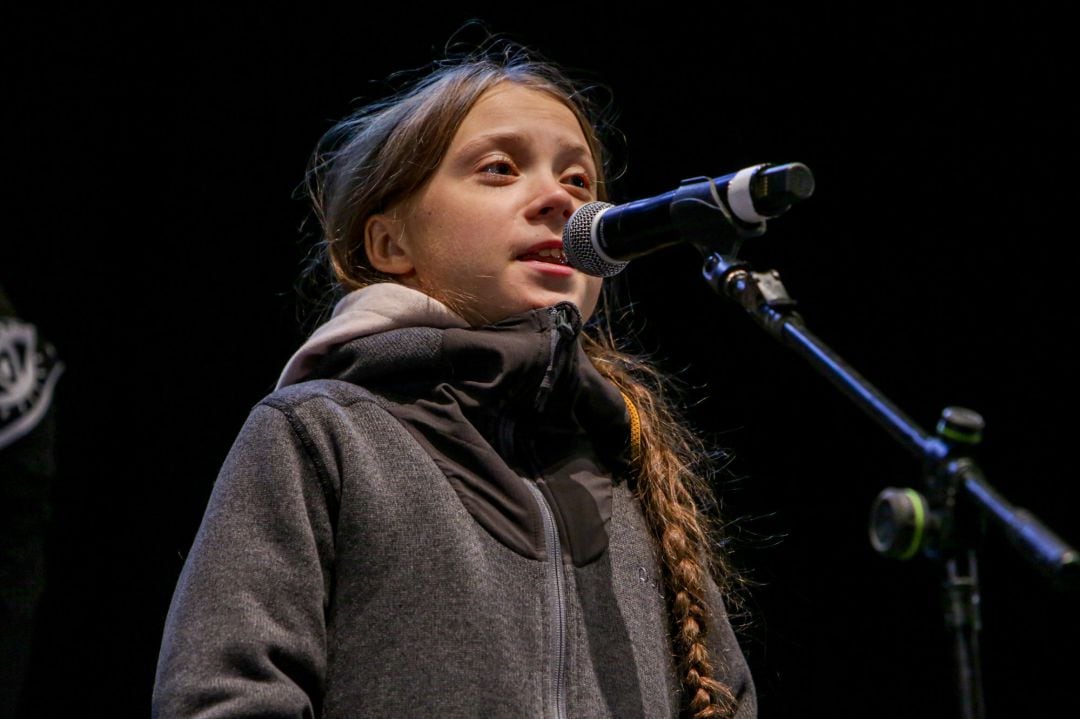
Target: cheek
point(429, 221)
point(429, 240)
point(451, 232)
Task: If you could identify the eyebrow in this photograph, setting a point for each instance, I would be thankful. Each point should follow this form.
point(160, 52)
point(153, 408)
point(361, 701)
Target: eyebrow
point(514, 138)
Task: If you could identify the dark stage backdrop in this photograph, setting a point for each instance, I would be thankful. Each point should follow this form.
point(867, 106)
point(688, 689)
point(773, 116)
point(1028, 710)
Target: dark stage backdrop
point(154, 237)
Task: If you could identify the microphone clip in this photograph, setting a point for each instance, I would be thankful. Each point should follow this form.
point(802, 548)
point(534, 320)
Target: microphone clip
point(702, 216)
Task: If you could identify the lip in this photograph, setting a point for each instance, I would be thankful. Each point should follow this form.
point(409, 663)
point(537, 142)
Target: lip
point(545, 245)
point(548, 268)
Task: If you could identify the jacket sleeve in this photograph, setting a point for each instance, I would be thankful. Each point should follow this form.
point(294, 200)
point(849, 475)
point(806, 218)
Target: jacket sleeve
point(246, 631)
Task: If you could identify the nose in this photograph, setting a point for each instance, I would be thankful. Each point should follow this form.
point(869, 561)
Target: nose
point(553, 203)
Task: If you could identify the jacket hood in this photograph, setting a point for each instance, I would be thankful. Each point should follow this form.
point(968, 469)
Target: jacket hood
point(367, 311)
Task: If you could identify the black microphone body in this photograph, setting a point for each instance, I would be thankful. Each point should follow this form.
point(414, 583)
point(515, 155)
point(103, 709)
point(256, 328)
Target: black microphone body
point(599, 239)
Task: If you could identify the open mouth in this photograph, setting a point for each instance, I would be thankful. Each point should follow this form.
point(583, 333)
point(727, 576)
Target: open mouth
point(554, 255)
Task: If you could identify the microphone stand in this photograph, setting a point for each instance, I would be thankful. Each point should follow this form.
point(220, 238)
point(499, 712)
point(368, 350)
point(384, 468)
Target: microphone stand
point(946, 519)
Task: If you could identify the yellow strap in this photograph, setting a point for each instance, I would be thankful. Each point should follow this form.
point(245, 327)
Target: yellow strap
point(635, 428)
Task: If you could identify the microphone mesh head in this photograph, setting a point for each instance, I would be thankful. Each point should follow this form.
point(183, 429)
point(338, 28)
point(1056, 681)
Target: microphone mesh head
point(580, 247)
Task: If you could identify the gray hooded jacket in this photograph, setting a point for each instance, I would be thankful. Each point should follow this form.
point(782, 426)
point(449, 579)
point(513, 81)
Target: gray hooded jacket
point(436, 524)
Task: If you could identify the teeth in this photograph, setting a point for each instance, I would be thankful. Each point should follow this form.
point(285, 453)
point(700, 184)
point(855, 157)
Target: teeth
point(553, 252)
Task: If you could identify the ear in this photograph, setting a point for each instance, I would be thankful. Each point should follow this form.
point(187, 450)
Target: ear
point(385, 247)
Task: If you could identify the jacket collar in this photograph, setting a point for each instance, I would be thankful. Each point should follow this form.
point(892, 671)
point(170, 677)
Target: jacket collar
point(529, 369)
point(492, 404)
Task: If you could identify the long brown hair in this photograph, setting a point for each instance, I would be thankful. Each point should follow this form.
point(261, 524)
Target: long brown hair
point(383, 154)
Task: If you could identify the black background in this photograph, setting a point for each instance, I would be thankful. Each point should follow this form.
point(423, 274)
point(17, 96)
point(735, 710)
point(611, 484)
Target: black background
point(154, 237)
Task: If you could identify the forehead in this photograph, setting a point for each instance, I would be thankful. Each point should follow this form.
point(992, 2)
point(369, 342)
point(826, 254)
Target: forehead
point(509, 106)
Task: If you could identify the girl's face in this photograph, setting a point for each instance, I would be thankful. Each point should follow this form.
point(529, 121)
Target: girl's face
point(485, 232)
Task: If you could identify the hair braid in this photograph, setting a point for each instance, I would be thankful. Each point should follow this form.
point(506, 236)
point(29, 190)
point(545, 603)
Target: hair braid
point(670, 490)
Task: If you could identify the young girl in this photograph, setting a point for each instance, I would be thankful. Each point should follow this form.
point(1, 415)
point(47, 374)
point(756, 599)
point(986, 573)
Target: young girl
point(457, 503)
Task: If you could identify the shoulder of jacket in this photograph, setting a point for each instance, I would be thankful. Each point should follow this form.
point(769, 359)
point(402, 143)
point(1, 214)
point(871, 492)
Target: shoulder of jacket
point(322, 392)
point(305, 401)
point(324, 414)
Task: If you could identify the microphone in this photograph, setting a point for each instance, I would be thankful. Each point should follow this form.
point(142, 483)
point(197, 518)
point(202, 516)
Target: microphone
point(600, 238)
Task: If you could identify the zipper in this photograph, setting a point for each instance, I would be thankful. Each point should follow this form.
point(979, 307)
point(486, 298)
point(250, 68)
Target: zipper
point(555, 586)
point(557, 600)
point(563, 335)
point(565, 322)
